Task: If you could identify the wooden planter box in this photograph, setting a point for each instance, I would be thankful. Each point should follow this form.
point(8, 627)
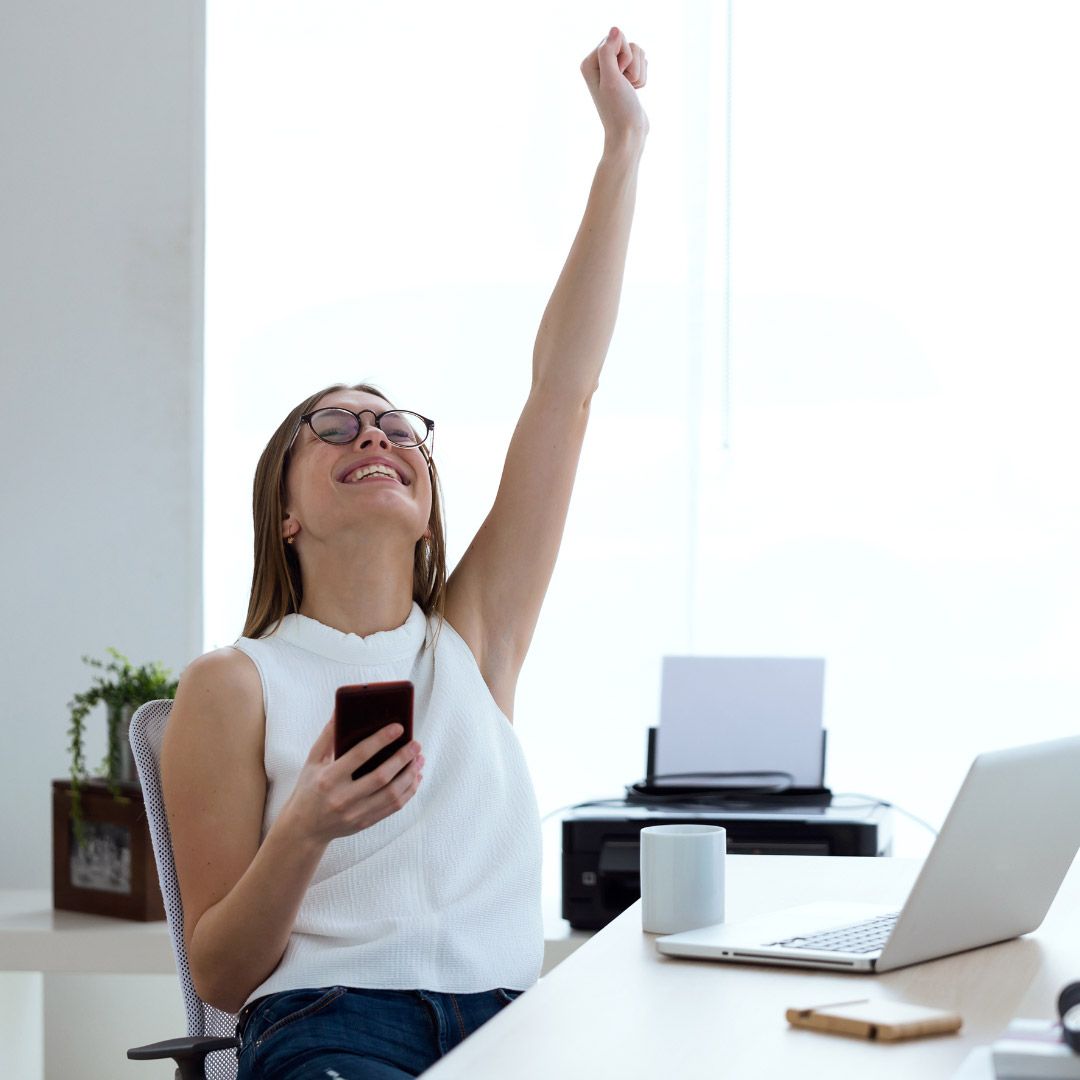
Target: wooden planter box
point(114, 874)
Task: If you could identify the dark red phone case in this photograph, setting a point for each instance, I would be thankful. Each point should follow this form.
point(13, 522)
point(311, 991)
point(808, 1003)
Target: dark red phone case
point(362, 709)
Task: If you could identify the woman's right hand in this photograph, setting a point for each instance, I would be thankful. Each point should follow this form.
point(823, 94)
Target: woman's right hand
point(614, 71)
point(328, 803)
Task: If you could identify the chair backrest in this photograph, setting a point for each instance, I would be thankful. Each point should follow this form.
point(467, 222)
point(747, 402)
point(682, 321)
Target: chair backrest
point(146, 735)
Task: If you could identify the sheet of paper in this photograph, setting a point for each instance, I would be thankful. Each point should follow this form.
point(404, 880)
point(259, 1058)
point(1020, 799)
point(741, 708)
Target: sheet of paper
point(730, 714)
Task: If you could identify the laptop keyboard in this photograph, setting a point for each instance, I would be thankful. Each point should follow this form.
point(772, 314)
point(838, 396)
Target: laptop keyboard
point(860, 937)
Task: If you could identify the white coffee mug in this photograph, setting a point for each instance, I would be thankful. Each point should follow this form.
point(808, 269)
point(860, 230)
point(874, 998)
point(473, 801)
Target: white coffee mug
point(682, 877)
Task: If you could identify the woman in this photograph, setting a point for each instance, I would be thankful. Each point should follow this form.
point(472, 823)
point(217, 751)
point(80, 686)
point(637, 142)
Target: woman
point(365, 927)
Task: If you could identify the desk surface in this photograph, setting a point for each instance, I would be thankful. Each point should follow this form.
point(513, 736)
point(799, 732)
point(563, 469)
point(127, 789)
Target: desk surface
point(617, 1008)
point(35, 937)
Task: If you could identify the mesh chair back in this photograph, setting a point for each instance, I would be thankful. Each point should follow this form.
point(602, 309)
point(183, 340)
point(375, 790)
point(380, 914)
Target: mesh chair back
point(147, 733)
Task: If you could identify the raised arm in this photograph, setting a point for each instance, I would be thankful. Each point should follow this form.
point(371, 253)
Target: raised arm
point(577, 324)
point(495, 593)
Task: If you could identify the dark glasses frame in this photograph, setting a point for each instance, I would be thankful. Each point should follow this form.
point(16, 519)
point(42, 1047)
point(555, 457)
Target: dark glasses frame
point(358, 416)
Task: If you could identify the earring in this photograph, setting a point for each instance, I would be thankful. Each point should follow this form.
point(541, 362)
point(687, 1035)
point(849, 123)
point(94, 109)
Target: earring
point(291, 540)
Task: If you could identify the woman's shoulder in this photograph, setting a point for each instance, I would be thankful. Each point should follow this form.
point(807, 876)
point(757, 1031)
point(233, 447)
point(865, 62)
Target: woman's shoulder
point(222, 682)
point(227, 668)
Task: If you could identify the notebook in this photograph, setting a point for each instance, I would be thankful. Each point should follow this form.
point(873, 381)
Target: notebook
point(995, 868)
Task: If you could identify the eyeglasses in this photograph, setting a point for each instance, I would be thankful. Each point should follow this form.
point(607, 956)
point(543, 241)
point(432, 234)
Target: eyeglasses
point(340, 426)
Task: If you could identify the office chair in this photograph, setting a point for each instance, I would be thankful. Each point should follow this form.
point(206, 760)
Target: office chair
point(209, 1051)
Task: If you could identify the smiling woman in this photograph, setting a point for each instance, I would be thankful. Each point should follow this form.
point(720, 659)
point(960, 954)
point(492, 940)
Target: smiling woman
point(277, 582)
point(339, 911)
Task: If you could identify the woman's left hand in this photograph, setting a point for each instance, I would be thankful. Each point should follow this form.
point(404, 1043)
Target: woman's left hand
point(614, 72)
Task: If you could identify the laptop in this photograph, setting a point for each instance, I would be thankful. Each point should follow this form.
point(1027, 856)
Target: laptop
point(995, 868)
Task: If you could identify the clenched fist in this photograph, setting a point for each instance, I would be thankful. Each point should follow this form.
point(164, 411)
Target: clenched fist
point(614, 72)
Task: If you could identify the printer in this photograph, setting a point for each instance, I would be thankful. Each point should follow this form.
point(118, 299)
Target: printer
point(601, 843)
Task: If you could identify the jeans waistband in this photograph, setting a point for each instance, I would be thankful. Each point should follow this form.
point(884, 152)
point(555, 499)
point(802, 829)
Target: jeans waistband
point(246, 1011)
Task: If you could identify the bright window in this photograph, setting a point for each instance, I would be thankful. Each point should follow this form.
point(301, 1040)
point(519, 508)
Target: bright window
point(871, 461)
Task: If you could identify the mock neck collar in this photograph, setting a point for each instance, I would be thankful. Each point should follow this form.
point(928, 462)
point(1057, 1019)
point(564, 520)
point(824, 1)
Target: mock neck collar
point(379, 648)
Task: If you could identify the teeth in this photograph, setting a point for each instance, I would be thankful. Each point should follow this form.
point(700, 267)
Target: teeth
point(370, 470)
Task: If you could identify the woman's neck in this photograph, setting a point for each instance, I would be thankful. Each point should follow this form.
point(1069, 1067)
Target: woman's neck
point(357, 594)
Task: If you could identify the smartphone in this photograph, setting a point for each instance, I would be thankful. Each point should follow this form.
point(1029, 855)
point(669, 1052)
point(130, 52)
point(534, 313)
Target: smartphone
point(364, 708)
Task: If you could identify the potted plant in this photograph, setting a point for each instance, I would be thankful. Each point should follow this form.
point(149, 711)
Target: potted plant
point(122, 688)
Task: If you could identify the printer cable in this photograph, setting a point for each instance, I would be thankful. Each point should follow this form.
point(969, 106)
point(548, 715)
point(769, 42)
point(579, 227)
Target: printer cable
point(872, 800)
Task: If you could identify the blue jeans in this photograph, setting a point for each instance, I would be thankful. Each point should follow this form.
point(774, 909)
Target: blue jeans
point(345, 1033)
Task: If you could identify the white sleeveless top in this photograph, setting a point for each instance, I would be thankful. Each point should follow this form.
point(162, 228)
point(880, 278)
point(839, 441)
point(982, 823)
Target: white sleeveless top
point(444, 894)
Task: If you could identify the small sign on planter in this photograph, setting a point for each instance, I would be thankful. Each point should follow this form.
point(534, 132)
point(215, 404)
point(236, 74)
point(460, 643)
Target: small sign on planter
point(113, 872)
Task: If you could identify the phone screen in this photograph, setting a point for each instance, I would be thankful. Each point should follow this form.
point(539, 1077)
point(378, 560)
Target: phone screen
point(362, 709)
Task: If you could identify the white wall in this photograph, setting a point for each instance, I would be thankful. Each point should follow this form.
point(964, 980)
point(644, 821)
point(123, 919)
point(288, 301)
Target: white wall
point(101, 175)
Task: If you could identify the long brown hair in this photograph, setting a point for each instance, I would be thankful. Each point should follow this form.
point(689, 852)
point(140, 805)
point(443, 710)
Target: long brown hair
point(277, 586)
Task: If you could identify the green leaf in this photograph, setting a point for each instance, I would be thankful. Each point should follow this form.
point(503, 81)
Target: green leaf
point(120, 683)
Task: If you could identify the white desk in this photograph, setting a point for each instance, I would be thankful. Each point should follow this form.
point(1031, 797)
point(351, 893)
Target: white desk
point(618, 1009)
point(35, 937)
point(77, 990)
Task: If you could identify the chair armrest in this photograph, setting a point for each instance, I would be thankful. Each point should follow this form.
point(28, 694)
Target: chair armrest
point(189, 1053)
